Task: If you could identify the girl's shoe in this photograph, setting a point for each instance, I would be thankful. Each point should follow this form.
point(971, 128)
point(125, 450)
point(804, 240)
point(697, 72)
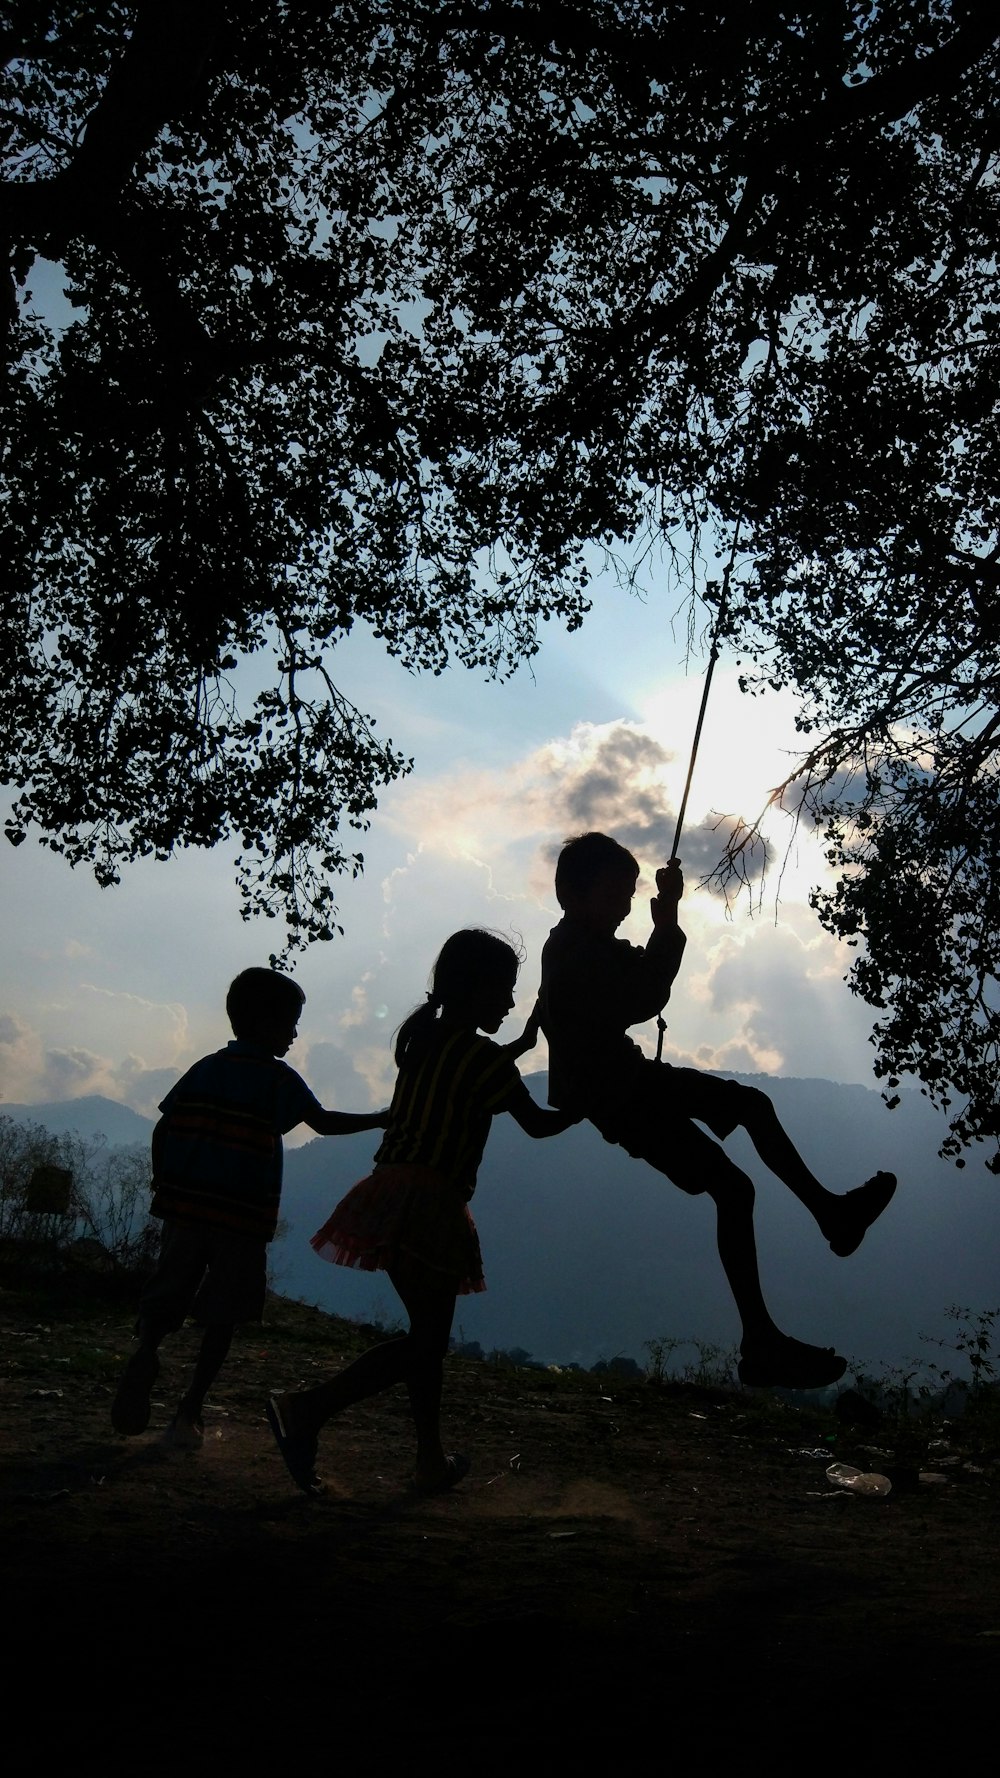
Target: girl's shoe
point(298, 1451)
point(131, 1407)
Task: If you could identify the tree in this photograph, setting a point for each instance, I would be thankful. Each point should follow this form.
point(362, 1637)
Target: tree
point(221, 458)
point(23, 1149)
point(108, 1202)
point(408, 314)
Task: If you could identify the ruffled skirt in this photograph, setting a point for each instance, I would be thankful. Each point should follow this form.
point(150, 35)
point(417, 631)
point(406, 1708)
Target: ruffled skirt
point(402, 1215)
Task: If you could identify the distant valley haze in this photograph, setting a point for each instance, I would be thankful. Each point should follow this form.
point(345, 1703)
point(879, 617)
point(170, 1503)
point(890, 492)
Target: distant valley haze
point(590, 1254)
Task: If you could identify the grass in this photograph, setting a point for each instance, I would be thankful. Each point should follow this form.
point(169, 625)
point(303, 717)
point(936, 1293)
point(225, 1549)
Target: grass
point(894, 1420)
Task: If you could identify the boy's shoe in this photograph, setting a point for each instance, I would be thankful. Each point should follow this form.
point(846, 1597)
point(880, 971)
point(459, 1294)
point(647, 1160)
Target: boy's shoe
point(130, 1408)
point(185, 1433)
point(857, 1210)
point(785, 1363)
point(298, 1451)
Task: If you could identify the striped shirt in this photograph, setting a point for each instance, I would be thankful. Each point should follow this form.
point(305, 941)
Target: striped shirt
point(217, 1154)
point(447, 1094)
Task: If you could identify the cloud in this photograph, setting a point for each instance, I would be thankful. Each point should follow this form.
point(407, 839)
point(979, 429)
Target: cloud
point(12, 1032)
point(599, 775)
point(335, 1077)
point(70, 1073)
point(378, 1071)
point(612, 777)
point(617, 786)
point(742, 1057)
point(357, 1012)
point(736, 1053)
point(34, 1071)
point(20, 1059)
point(780, 992)
point(143, 1087)
point(132, 1008)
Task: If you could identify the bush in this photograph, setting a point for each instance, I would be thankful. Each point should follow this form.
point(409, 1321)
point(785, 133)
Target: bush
point(108, 1203)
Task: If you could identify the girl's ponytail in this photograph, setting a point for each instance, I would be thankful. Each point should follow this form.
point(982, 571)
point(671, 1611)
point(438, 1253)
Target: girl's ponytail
point(417, 1028)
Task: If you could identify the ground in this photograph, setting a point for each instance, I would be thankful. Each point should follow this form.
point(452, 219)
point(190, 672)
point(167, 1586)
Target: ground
point(631, 1571)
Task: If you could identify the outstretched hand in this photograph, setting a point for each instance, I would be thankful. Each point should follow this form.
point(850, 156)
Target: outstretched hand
point(669, 889)
point(529, 1036)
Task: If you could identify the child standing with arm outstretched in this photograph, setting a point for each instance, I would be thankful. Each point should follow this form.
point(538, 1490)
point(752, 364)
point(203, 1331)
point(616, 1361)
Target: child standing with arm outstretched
point(217, 1161)
point(410, 1217)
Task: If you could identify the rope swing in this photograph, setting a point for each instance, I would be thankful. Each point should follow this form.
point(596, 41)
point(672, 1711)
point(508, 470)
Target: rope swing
point(713, 655)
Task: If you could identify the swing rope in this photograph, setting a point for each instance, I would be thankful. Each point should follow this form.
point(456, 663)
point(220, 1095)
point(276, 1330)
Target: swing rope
point(713, 655)
point(751, 441)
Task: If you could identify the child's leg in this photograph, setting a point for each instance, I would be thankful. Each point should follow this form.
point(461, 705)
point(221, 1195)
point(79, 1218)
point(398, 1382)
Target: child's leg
point(725, 1105)
point(843, 1218)
point(431, 1311)
point(691, 1160)
point(414, 1358)
point(768, 1356)
point(215, 1345)
point(130, 1409)
point(698, 1165)
point(231, 1291)
point(779, 1153)
point(306, 1411)
point(733, 1196)
point(163, 1306)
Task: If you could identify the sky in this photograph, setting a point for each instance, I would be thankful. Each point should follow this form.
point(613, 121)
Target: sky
point(116, 991)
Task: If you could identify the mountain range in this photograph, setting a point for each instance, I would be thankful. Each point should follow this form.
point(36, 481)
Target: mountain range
point(590, 1254)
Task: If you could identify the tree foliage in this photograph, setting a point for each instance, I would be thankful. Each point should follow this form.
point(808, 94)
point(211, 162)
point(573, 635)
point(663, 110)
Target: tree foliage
point(223, 456)
point(404, 314)
point(108, 1207)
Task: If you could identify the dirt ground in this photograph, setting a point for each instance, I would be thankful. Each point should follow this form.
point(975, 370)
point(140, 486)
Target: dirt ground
point(630, 1572)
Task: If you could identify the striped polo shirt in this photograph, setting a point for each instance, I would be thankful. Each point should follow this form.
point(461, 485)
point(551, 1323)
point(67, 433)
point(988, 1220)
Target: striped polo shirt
point(446, 1095)
point(217, 1154)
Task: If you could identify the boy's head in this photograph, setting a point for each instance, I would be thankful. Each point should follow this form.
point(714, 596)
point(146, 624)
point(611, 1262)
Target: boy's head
point(264, 1008)
point(595, 880)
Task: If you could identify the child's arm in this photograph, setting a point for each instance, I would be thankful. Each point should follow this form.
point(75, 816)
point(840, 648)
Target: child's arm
point(666, 941)
point(669, 889)
point(529, 1036)
point(345, 1123)
point(535, 1120)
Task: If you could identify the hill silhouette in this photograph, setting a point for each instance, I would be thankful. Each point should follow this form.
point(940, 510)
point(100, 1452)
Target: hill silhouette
point(591, 1254)
point(90, 1115)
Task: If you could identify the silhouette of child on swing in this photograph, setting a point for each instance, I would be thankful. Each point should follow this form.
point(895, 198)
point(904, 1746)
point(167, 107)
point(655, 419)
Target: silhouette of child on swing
point(594, 986)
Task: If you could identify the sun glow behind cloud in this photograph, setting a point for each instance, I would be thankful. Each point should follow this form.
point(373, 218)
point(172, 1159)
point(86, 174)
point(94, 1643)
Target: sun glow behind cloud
point(138, 993)
point(756, 994)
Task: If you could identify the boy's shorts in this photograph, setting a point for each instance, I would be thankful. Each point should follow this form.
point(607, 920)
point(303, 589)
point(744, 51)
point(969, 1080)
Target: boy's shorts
point(214, 1275)
point(658, 1127)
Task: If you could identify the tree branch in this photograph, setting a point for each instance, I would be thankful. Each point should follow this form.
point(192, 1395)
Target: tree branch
point(164, 60)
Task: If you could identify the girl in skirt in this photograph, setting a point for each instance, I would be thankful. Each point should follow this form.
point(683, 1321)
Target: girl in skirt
point(410, 1217)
